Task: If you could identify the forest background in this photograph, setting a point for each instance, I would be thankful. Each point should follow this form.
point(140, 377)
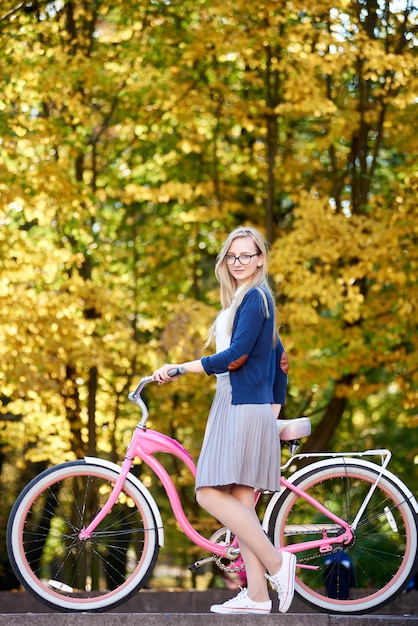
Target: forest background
point(133, 137)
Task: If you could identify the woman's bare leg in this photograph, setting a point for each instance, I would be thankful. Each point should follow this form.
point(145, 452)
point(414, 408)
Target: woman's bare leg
point(234, 507)
point(255, 569)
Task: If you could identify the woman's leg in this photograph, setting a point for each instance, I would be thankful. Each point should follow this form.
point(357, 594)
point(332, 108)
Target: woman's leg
point(255, 569)
point(234, 507)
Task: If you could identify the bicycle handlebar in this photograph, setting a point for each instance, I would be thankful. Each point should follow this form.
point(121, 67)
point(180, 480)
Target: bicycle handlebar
point(176, 371)
point(135, 396)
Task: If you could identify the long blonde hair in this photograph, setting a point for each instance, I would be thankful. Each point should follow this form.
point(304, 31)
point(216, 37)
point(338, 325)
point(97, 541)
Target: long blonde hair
point(228, 285)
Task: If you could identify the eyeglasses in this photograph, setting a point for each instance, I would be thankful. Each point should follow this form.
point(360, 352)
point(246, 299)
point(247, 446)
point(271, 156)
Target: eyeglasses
point(244, 259)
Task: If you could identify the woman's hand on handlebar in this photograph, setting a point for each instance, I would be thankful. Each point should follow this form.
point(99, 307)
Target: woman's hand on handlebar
point(170, 371)
point(165, 373)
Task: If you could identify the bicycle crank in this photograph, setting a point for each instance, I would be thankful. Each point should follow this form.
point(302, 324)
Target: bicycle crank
point(222, 536)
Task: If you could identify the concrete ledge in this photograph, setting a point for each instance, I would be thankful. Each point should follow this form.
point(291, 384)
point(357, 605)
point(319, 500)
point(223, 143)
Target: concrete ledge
point(188, 601)
point(192, 619)
point(191, 608)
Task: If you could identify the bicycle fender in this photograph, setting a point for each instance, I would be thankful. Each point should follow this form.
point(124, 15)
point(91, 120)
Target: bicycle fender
point(337, 461)
point(140, 486)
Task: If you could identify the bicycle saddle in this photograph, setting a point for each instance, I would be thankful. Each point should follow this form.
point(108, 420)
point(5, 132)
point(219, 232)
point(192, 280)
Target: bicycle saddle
point(294, 428)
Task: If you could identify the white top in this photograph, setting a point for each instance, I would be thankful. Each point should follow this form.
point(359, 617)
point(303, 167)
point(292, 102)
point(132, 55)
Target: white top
point(222, 334)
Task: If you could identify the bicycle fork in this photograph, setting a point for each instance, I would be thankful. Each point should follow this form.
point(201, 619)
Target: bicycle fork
point(86, 533)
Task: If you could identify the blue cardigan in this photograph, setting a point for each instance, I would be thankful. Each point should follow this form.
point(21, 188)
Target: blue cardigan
point(258, 372)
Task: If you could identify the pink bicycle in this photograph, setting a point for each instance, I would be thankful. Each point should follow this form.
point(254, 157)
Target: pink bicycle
point(85, 535)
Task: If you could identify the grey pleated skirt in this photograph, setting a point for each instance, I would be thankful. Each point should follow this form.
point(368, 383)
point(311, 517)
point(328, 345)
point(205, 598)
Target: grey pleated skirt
point(241, 445)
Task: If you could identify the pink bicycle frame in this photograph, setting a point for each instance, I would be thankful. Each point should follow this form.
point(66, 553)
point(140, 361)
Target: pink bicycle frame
point(145, 443)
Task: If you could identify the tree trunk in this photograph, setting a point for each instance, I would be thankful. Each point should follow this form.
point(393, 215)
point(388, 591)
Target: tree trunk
point(272, 100)
point(73, 411)
point(323, 433)
point(91, 409)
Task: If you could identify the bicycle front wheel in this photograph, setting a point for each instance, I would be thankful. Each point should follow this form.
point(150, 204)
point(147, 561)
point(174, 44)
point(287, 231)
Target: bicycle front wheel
point(72, 575)
point(381, 559)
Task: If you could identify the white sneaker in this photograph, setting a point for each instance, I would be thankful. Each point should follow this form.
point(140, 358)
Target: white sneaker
point(242, 604)
point(284, 581)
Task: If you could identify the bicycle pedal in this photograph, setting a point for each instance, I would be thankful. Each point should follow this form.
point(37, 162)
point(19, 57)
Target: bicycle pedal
point(201, 562)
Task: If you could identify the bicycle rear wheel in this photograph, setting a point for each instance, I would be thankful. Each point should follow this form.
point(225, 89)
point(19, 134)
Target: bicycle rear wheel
point(378, 564)
point(72, 575)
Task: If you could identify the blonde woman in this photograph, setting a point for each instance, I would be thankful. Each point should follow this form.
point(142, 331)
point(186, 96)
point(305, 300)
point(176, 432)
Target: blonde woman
point(241, 448)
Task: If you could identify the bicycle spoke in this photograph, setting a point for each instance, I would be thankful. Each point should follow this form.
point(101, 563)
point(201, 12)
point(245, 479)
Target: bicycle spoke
point(90, 574)
point(376, 565)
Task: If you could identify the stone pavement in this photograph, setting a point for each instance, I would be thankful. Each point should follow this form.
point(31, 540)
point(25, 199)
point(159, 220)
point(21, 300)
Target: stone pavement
point(197, 619)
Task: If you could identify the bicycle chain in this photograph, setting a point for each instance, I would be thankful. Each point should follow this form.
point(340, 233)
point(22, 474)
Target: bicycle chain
point(217, 538)
point(231, 569)
point(315, 556)
point(225, 568)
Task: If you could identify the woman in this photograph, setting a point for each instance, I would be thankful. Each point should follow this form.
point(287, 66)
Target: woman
point(241, 448)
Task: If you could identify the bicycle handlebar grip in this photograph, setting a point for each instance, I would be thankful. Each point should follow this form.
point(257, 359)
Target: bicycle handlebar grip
point(176, 371)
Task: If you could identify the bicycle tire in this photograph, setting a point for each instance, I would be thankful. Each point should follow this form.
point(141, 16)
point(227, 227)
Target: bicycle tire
point(382, 558)
point(47, 555)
